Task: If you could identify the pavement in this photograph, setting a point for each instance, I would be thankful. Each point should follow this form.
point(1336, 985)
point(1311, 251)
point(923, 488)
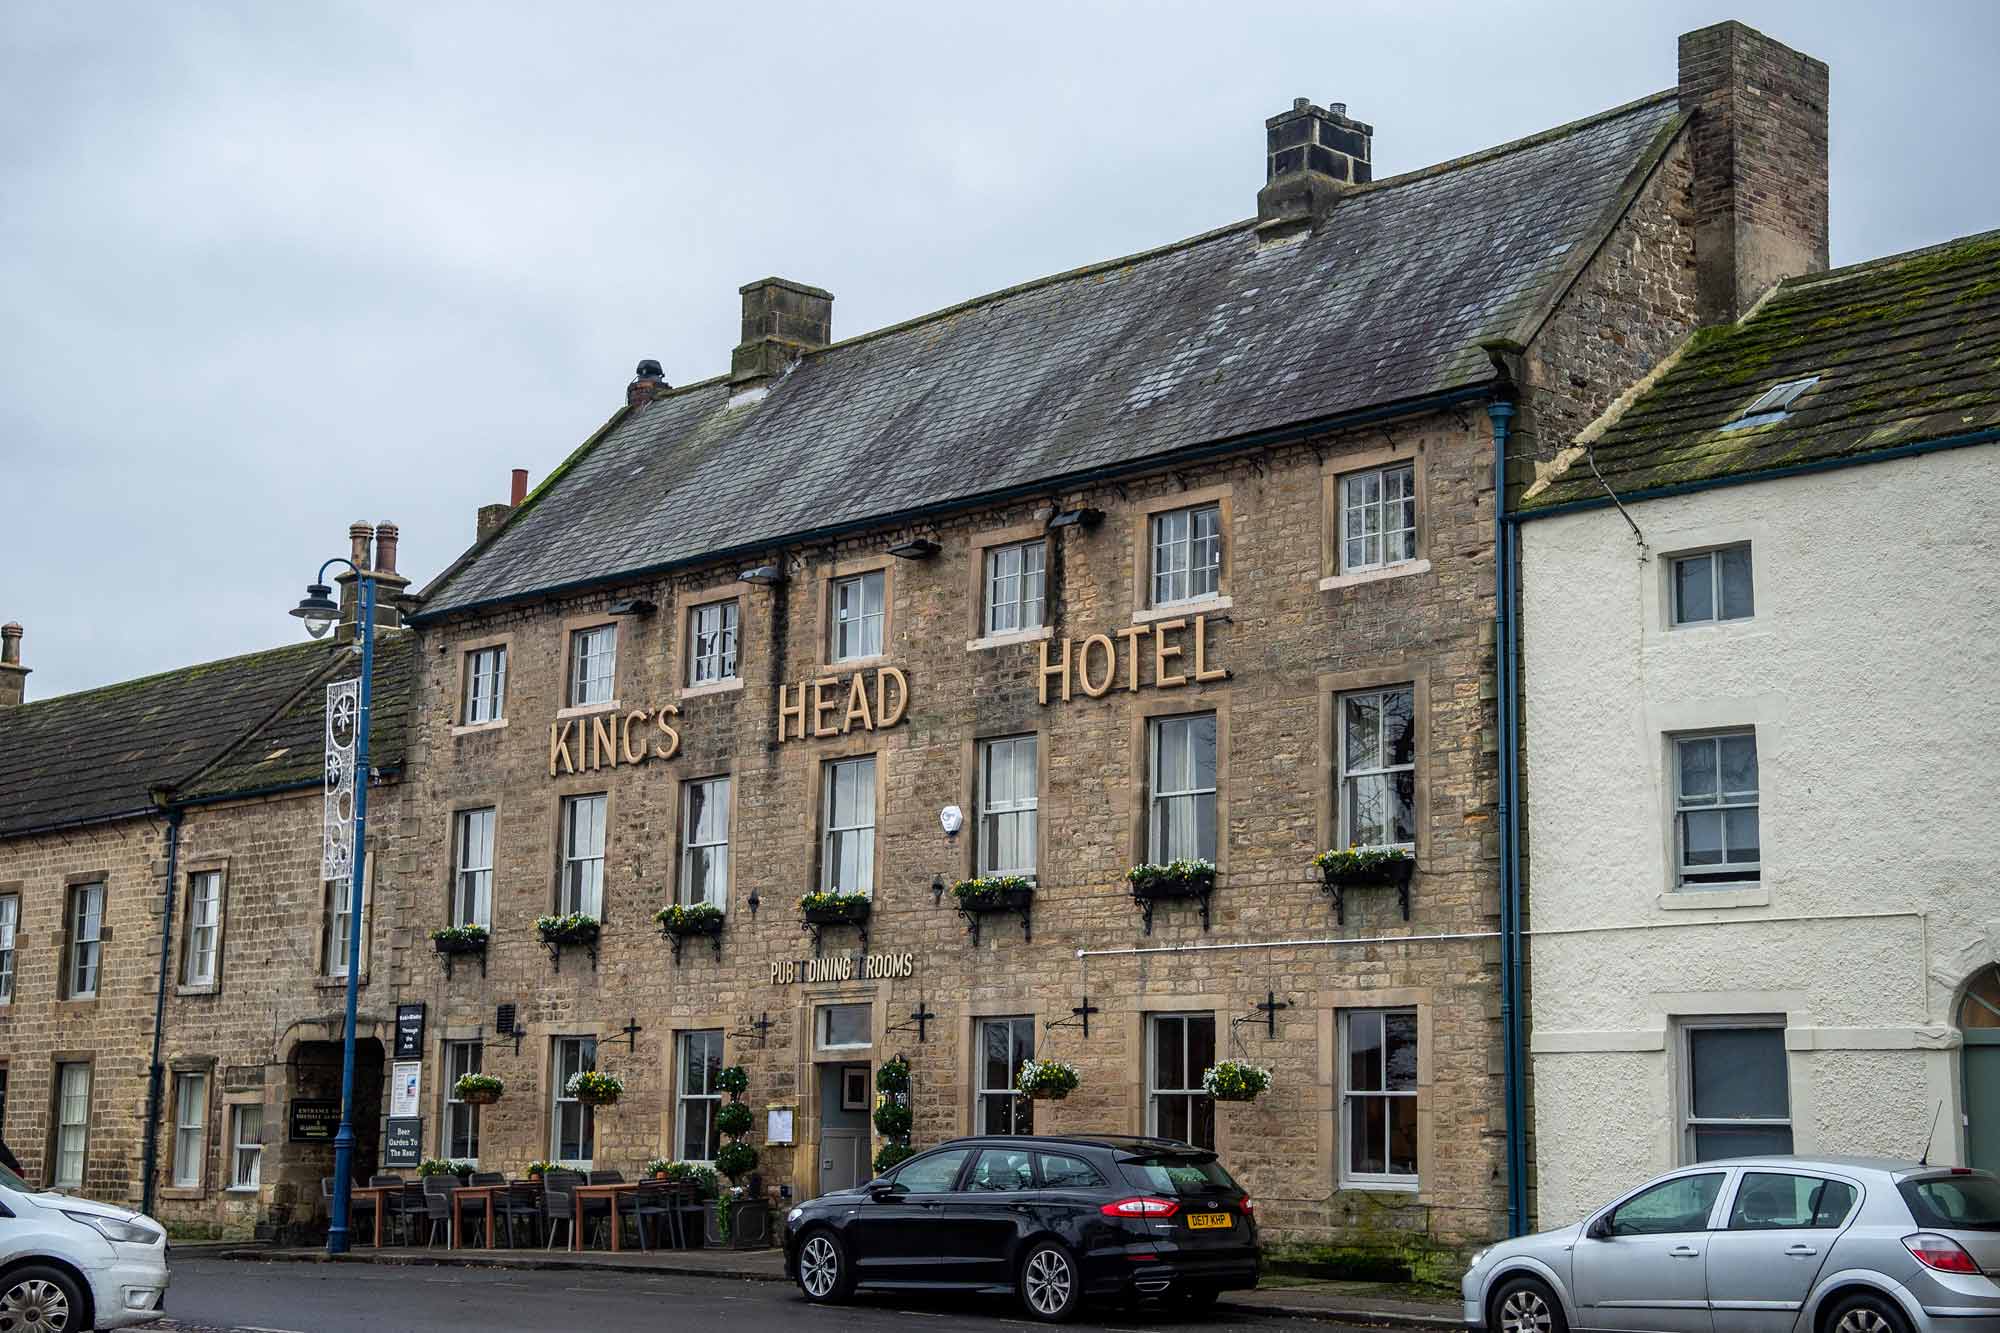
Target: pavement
point(752, 1275)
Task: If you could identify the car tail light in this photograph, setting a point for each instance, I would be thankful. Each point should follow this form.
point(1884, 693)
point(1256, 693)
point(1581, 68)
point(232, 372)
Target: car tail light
point(1940, 1252)
point(1248, 1207)
point(1141, 1206)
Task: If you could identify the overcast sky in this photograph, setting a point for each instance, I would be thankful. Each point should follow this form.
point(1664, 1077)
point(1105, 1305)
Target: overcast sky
point(269, 268)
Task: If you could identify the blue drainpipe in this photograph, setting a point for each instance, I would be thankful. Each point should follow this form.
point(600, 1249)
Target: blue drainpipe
point(1504, 616)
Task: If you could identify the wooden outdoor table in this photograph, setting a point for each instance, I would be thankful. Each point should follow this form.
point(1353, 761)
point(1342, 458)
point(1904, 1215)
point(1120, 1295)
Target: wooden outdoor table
point(462, 1192)
point(381, 1194)
point(611, 1194)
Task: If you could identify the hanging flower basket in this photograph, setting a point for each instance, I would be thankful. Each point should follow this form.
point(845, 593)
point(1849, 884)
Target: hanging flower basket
point(1047, 1080)
point(1234, 1081)
point(594, 1087)
point(573, 928)
point(1175, 879)
point(459, 940)
point(1359, 867)
point(478, 1089)
point(832, 908)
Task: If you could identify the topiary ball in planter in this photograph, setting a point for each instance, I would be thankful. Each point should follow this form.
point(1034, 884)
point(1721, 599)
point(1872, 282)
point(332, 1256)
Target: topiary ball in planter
point(892, 1154)
point(735, 1159)
point(892, 1120)
point(734, 1119)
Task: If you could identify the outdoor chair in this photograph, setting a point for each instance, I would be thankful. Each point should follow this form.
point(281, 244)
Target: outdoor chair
point(522, 1202)
point(599, 1211)
point(437, 1207)
point(668, 1203)
point(559, 1202)
point(406, 1209)
point(474, 1210)
point(357, 1206)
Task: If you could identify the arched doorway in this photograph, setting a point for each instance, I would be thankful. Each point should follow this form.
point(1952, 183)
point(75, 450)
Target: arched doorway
point(1979, 1022)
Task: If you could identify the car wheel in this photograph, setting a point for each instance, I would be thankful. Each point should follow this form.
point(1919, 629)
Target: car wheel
point(41, 1300)
point(1862, 1313)
point(1525, 1305)
point(824, 1274)
point(1050, 1286)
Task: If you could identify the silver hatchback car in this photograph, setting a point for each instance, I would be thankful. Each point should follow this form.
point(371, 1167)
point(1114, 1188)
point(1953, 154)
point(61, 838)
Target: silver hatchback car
point(1761, 1245)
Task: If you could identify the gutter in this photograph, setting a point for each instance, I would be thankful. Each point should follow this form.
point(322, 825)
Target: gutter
point(1042, 486)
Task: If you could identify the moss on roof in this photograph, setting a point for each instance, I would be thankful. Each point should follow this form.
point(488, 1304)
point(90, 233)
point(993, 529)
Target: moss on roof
point(1906, 350)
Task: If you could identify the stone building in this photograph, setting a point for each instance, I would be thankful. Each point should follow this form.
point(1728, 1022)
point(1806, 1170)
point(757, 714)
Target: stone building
point(1789, 626)
point(1189, 554)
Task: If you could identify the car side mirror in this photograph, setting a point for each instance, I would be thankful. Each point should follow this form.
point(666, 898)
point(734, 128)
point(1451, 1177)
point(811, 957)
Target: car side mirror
point(881, 1191)
point(1599, 1228)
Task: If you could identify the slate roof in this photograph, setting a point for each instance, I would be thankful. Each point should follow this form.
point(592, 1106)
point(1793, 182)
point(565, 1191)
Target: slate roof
point(96, 754)
point(1907, 350)
point(1123, 364)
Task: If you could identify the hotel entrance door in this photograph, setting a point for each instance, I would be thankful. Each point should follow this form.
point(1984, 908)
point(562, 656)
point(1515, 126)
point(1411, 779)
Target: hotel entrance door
point(843, 1125)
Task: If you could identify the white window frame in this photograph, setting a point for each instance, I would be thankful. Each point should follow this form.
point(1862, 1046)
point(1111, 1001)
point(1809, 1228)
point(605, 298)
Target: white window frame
point(485, 686)
point(1014, 809)
point(85, 961)
point(857, 632)
point(201, 952)
point(72, 1123)
point(563, 1104)
point(10, 920)
point(1155, 1094)
point(190, 1128)
point(1712, 554)
point(1179, 551)
point(335, 918)
point(593, 666)
point(1375, 766)
point(246, 1155)
point(583, 844)
point(863, 829)
point(1355, 511)
point(472, 870)
point(1187, 788)
point(460, 1058)
point(706, 837)
point(823, 1028)
point(1016, 586)
point(1689, 1122)
point(1384, 1179)
point(689, 1098)
point(1019, 1103)
point(713, 633)
point(1725, 874)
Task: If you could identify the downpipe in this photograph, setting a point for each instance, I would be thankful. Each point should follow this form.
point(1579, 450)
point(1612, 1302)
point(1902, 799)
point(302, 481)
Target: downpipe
point(1504, 611)
point(156, 1075)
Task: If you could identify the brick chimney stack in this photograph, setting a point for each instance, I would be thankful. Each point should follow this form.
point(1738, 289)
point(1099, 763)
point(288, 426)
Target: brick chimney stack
point(648, 382)
point(1312, 156)
point(1759, 164)
point(782, 320)
point(13, 676)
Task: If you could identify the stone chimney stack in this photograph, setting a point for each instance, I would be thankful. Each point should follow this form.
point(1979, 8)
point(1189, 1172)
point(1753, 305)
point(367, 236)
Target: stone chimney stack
point(1759, 164)
point(648, 382)
point(493, 515)
point(1312, 156)
point(13, 676)
point(372, 548)
point(782, 321)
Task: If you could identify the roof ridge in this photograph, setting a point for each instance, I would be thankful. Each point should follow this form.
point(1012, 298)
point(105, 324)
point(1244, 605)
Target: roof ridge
point(1863, 267)
point(157, 676)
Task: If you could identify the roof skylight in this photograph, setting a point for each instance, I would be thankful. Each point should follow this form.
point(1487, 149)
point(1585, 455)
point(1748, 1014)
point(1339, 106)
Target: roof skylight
point(1772, 404)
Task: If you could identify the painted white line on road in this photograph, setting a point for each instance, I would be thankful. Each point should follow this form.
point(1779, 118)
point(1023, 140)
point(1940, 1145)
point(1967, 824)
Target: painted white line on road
point(254, 1328)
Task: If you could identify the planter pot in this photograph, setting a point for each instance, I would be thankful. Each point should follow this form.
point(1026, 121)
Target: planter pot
point(845, 914)
point(585, 935)
point(749, 1224)
point(598, 1098)
point(454, 946)
point(1177, 886)
point(480, 1097)
point(1384, 874)
point(1009, 900)
point(1048, 1094)
point(690, 929)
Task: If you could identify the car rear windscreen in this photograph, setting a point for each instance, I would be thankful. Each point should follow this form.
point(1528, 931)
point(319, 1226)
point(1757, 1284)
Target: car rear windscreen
point(1954, 1203)
point(1173, 1174)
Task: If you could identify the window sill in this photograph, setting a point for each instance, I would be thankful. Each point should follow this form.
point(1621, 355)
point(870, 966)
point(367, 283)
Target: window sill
point(587, 710)
point(851, 664)
point(183, 1192)
point(1182, 610)
point(1703, 900)
point(1408, 567)
point(479, 728)
point(205, 988)
point(329, 983)
point(78, 1002)
point(1010, 638)
point(245, 1190)
point(733, 685)
point(1385, 1185)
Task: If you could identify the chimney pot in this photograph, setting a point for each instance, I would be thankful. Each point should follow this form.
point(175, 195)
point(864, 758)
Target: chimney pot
point(386, 536)
point(10, 643)
point(646, 381)
point(519, 491)
point(782, 320)
point(13, 676)
point(359, 536)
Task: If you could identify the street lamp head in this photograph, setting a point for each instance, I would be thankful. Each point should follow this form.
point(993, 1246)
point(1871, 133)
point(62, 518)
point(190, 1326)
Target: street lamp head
point(318, 609)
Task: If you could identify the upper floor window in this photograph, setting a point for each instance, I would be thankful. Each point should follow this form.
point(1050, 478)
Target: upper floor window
point(712, 643)
point(593, 665)
point(1713, 586)
point(202, 949)
point(1378, 518)
point(86, 927)
point(337, 924)
point(705, 842)
point(1008, 800)
point(1183, 783)
point(472, 881)
point(1014, 586)
point(10, 919)
point(847, 847)
point(1715, 809)
point(485, 685)
point(859, 612)
point(583, 855)
point(1187, 554)
point(1378, 768)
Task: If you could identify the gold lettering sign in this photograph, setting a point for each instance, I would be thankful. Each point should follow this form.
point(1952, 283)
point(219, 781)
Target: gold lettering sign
point(606, 740)
point(830, 706)
point(1092, 666)
point(846, 967)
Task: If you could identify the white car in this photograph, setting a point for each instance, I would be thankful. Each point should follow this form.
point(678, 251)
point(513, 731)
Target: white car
point(69, 1264)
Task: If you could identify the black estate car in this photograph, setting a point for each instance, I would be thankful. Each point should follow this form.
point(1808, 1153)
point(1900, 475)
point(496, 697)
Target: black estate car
point(1056, 1219)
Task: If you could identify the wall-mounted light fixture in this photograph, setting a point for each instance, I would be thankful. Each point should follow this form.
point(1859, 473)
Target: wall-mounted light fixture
point(917, 548)
point(762, 575)
point(1074, 518)
point(632, 606)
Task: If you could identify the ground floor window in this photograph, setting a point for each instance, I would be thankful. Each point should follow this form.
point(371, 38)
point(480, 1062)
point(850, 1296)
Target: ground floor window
point(1183, 1049)
point(573, 1138)
point(190, 1128)
point(461, 1119)
point(1737, 1097)
point(700, 1062)
point(72, 1123)
point(1004, 1043)
point(1379, 1096)
point(247, 1151)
